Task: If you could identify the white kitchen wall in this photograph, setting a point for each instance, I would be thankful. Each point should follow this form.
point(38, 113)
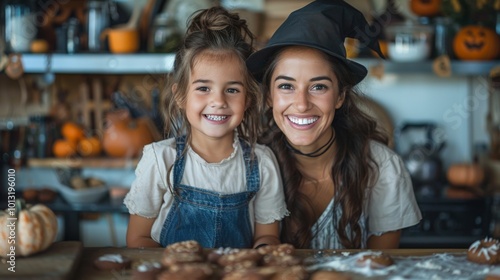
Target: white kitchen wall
point(458, 105)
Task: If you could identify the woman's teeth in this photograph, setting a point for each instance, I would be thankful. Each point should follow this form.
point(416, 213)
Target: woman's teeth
point(303, 121)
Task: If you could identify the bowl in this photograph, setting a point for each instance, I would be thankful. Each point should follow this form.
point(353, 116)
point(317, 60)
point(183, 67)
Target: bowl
point(409, 42)
point(82, 196)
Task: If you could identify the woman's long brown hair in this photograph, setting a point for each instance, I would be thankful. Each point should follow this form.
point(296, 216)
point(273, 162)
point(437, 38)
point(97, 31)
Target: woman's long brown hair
point(352, 170)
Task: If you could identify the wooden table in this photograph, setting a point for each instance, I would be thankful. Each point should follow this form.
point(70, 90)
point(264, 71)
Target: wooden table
point(69, 260)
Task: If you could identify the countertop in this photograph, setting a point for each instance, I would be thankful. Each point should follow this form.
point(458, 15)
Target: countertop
point(69, 260)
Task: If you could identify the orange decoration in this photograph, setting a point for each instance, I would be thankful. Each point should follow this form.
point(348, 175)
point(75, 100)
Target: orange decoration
point(464, 174)
point(64, 148)
point(474, 42)
point(425, 8)
point(72, 131)
point(89, 147)
point(124, 136)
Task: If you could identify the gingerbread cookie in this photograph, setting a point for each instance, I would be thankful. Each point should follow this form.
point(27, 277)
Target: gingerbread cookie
point(484, 251)
point(188, 246)
point(191, 271)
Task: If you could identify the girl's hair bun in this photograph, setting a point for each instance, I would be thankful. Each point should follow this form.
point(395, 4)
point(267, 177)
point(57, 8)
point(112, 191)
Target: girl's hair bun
point(218, 19)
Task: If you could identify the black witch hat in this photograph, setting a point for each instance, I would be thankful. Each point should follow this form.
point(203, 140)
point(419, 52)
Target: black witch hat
point(323, 25)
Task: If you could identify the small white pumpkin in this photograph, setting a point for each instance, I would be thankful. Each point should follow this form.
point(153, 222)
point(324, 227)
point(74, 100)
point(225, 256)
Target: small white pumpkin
point(35, 229)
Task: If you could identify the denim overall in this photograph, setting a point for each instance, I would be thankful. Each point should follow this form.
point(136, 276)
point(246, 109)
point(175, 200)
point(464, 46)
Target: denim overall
point(213, 219)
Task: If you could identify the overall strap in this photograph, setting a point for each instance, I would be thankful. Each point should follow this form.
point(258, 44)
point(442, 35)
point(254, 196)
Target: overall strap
point(251, 167)
point(180, 143)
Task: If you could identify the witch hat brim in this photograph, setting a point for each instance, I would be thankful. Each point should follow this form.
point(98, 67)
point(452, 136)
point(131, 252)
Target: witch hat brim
point(323, 25)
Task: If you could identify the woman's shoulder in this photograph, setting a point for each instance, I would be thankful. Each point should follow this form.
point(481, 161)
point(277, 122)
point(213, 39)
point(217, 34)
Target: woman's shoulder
point(381, 151)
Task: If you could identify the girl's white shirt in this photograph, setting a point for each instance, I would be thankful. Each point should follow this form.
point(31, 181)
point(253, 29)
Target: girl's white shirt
point(149, 195)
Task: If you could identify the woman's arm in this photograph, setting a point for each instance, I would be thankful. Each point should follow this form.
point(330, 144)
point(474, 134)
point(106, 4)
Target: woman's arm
point(388, 240)
point(266, 234)
point(139, 232)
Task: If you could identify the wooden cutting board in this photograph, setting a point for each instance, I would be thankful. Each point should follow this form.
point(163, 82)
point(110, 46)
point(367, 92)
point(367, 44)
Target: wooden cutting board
point(59, 262)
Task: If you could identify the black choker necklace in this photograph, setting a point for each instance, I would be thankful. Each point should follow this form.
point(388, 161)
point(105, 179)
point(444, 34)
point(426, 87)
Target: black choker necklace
point(316, 153)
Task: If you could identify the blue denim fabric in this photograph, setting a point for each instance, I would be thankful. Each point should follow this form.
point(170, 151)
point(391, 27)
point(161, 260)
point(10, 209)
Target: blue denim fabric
point(213, 219)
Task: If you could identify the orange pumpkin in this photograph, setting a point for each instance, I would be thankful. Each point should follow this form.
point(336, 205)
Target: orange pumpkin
point(474, 42)
point(89, 147)
point(124, 136)
point(425, 8)
point(35, 229)
point(64, 148)
point(465, 174)
point(72, 131)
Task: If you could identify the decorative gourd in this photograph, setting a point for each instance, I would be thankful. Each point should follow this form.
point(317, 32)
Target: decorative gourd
point(90, 147)
point(34, 230)
point(475, 42)
point(124, 136)
point(63, 148)
point(465, 174)
point(425, 8)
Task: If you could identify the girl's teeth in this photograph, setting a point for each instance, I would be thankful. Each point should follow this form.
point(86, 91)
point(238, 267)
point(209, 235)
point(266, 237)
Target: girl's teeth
point(302, 121)
point(216, 118)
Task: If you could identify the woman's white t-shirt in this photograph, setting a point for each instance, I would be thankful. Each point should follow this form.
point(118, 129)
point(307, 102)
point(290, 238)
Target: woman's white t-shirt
point(150, 197)
point(390, 203)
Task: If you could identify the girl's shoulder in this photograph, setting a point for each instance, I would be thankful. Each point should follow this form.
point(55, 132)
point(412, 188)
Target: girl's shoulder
point(263, 151)
point(158, 148)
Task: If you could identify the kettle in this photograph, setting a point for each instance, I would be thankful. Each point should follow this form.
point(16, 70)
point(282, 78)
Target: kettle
point(422, 160)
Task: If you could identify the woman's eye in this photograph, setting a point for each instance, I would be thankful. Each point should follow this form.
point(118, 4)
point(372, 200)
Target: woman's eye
point(285, 86)
point(318, 87)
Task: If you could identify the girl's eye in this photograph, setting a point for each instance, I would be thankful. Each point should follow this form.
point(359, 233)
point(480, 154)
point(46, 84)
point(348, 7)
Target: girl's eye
point(202, 89)
point(285, 86)
point(232, 90)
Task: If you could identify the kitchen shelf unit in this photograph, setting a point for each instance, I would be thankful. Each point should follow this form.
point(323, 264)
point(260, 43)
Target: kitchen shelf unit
point(146, 63)
point(99, 162)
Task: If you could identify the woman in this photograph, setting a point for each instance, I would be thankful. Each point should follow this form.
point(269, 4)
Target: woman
point(344, 187)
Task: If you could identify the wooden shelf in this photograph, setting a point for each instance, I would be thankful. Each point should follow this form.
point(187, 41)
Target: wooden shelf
point(83, 162)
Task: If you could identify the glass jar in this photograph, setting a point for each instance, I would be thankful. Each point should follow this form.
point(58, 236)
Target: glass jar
point(444, 31)
point(40, 136)
point(165, 36)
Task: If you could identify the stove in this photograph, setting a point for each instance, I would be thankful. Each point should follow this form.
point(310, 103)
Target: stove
point(449, 223)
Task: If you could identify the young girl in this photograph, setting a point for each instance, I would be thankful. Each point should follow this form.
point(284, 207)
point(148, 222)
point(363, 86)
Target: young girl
point(211, 182)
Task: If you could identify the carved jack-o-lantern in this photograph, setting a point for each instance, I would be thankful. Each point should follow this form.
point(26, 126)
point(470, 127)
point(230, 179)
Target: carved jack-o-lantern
point(425, 7)
point(474, 42)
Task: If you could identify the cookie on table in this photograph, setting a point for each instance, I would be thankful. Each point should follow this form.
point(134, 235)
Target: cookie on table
point(375, 260)
point(239, 255)
point(112, 262)
point(484, 251)
point(277, 250)
point(169, 259)
point(329, 275)
point(188, 271)
point(285, 260)
point(296, 272)
point(188, 246)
